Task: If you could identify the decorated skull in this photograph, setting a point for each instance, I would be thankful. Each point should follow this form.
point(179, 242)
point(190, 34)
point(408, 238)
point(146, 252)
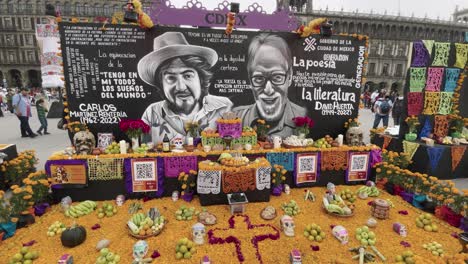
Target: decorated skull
point(287, 189)
point(198, 233)
point(65, 203)
point(178, 143)
point(84, 142)
point(287, 224)
point(354, 136)
point(175, 196)
point(341, 234)
point(120, 200)
point(140, 249)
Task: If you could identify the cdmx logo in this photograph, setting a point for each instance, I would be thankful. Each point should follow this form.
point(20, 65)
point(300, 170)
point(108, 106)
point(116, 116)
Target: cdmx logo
point(309, 44)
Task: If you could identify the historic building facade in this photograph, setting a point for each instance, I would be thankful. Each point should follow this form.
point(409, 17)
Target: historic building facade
point(390, 36)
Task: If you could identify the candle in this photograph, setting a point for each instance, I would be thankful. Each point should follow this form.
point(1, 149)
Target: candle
point(123, 147)
point(339, 139)
point(190, 141)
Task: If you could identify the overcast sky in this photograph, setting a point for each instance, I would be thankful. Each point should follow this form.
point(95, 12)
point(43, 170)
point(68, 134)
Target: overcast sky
point(432, 8)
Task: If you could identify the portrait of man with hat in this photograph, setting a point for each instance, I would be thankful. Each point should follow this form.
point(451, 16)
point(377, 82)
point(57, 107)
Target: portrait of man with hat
point(181, 73)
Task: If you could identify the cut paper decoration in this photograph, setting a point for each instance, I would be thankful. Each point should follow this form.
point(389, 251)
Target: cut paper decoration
point(417, 79)
point(426, 130)
point(451, 78)
point(434, 153)
point(285, 159)
point(386, 141)
point(173, 166)
point(263, 178)
point(358, 168)
point(461, 55)
point(445, 105)
point(434, 79)
point(240, 181)
point(334, 160)
point(431, 103)
point(376, 156)
point(415, 103)
point(307, 167)
point(104, 140)
point(105, 169)
point(457, 155)
point(442, 50)
point(429, 43)
point(410, 148)
point(441, 126)
point(209, 181)
point(420, 54)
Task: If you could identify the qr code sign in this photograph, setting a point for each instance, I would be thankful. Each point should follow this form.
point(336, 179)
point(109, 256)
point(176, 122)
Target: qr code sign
point(306, 164)
point(359, 163)
point(144, 171)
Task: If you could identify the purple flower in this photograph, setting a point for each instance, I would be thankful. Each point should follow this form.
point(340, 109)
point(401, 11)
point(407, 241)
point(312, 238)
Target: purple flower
point(30, 243)
point(454, 235)
point(405, 244)
point(315, 248)
point(403, 212)
point(96, 226)
point(155, 254)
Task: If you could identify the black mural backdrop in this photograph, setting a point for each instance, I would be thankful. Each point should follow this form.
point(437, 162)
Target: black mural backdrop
point(104, 86)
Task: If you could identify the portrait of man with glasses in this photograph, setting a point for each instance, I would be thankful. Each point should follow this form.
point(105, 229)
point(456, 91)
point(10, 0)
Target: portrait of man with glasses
point(269, 67)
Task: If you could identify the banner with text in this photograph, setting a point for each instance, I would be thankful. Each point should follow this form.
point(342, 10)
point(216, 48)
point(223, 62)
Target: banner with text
point(126, 72)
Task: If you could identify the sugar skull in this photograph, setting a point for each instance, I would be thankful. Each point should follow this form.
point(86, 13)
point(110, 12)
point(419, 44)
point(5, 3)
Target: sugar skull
point(354, 136)
point(65, 203)
point(120, 200)
point(371, 222)
point(140, 249)
point(400, 229)
point(198, 233)
point(341, 234)
point(287, 189)
point(287, 225)
point(175, 196)
point(178, 143)
point(84, 142)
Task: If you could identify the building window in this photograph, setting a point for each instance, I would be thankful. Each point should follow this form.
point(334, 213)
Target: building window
point(11, 56)
point(385, 69)
point(28, 39)
point(30, 56)
point(371, 68)
point(12, 7)
point(78, 9)
point(67, 9)
point(26, 23)
point(10, 40)
point(399, 70)
point(7, 22)
point(28, 8)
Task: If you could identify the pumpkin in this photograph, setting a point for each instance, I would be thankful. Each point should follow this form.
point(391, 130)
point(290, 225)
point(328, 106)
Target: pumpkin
point(73, 236)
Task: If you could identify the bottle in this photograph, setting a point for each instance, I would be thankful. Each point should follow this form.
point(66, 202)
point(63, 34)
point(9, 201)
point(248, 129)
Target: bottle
point(166, 144)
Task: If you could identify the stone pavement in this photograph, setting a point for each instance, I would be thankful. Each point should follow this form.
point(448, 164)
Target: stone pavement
point(58, 139)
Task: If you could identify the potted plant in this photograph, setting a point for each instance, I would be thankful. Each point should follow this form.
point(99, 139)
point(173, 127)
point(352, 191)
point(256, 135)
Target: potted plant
point(413, 123)
point(134, 128)
point(261, 128)
point(278, 177)
point(15, 170)
point(303, 125)
point(21, 202)
point(457, 124)
point(187, 182)
point(40, 185)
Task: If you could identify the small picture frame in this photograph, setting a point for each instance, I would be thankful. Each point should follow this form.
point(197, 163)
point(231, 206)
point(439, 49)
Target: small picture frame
point(104, 140)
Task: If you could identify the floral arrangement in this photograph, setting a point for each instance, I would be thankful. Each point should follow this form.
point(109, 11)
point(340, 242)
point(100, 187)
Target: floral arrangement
point(21, 200)
point(15, 170)
point(303, 124)
point(192, 128)
point(134, 128)
point(278, 175)
point(375, 131)
point(228, 121)
point(77, 126)
point(457, 123)
point(352, 123)
point(402, 160)
point(413, 123)
point(262, 129)
point(187, 181)
point(40, 184)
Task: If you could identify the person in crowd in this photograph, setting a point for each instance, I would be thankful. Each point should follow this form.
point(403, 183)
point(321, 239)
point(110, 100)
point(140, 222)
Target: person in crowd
point(382, 108)
point(2, 101)
point(269, 67)
point(22, 108)
point(41, 114)
point(9, 101)
point(65, 121)
point(182, 74)
point(397, 110)
point(367, 99)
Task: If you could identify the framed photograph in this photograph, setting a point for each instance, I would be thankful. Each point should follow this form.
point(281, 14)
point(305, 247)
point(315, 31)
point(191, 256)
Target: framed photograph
point(104, 140)
point(307, 168)
point(71, 173)
point(144, 175)
point(358, 166)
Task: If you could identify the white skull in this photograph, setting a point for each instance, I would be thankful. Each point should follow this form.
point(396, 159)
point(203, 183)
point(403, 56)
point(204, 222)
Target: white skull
point(84, 142)
point(175, 196)
point(198, 233)
point(65, 203)
point(354, 136)
point(287, 189)
point(178, 143)
point(120, 200)
point(140, 249)
point(287, 224)
point(341, 234)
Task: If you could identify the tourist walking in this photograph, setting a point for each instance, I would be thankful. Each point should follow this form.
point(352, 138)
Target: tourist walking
point(382, 108)
point(41, 114)
point(22, 108)
point(397, 110)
